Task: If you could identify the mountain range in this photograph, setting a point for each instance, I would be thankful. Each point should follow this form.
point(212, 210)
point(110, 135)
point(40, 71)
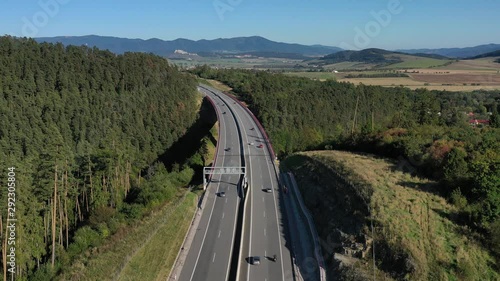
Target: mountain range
point(457, 52)
point(240, 45)
point(165, 48)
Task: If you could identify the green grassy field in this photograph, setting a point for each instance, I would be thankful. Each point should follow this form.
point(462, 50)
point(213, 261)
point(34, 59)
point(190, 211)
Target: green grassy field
point(145, 251)
point(154, 259)
point(418, 63)
point(262, 63)
point(409, 216)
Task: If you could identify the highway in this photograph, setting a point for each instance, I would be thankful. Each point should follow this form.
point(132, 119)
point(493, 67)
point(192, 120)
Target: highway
point(209, 256)
point(264, 231)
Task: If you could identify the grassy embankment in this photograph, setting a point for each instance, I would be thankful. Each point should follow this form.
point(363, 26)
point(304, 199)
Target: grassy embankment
point(410, 220)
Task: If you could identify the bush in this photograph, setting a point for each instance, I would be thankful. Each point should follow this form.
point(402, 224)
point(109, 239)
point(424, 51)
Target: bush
point(101, 215)
point(132, 211)
point(458, 199)
point(45, 272)
point(84, 238)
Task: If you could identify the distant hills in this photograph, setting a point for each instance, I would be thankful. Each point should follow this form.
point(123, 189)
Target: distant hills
point(376, 58)
point(366, 56)
point(256, 46)
point(488, 55)
point(165, 48)
point(457, 52)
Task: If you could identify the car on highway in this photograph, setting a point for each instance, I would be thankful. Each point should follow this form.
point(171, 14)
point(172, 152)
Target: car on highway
point(251, 143)
point(224, 112)
point(255, 260)
point(251, 129)
point(228, 149)
point(222, 194)
point(260, 146)
point(268, 190)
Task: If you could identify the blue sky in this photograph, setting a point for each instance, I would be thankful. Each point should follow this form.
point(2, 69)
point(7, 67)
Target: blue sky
point(344, 23)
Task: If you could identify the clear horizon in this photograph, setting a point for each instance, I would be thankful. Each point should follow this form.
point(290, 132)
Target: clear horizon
point(360, 24)
point(133, 38)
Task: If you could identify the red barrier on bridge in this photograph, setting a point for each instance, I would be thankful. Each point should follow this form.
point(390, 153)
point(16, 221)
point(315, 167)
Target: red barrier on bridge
point(261, 128)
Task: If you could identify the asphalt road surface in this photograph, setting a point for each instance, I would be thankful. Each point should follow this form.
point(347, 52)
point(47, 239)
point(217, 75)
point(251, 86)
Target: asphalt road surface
point(209, 256)
point(264, 232)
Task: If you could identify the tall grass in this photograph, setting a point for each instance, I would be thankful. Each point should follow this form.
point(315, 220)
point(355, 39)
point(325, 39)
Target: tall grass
point(132, 248)
point(412, 220)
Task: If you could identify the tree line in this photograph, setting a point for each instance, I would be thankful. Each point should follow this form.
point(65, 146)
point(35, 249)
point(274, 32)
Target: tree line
point(84, 128)
point(427, 130)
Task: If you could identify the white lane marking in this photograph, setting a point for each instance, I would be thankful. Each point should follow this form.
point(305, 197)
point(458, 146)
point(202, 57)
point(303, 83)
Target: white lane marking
point(213, 259)
point(219, 234)
point(266, 154)
point(236, 206)
point(262, 199)
point(265, 253)
point(211, 212)
point(249, 173)
point(277, 221)
point(250, 190)
point(226, 200)
point(222, 215)
point(265, 232)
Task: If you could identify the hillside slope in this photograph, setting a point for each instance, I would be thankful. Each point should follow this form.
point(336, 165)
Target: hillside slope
point(457, 52)
point(84, 129)
point(414, 232)
point(488, 55)
point(379, 58)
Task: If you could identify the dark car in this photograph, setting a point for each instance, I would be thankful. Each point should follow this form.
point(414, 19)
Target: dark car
point(268, 190)
point(222, 194)
point(260, 146)
point(255, 260)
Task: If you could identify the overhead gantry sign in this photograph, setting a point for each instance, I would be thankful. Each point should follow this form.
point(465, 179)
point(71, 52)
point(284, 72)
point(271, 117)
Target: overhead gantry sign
point(223, 171)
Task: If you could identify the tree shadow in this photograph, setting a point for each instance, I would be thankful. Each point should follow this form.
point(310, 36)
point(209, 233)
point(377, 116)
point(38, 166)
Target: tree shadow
point(189, 144)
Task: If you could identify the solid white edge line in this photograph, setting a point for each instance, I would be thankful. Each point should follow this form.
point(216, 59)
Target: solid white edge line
point(211, 212)
point(250, 190)
point(249, 187)
point(236, 116)
point(277, 220)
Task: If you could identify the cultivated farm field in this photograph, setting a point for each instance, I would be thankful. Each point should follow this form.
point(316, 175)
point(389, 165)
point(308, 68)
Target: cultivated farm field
point(462, 75)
